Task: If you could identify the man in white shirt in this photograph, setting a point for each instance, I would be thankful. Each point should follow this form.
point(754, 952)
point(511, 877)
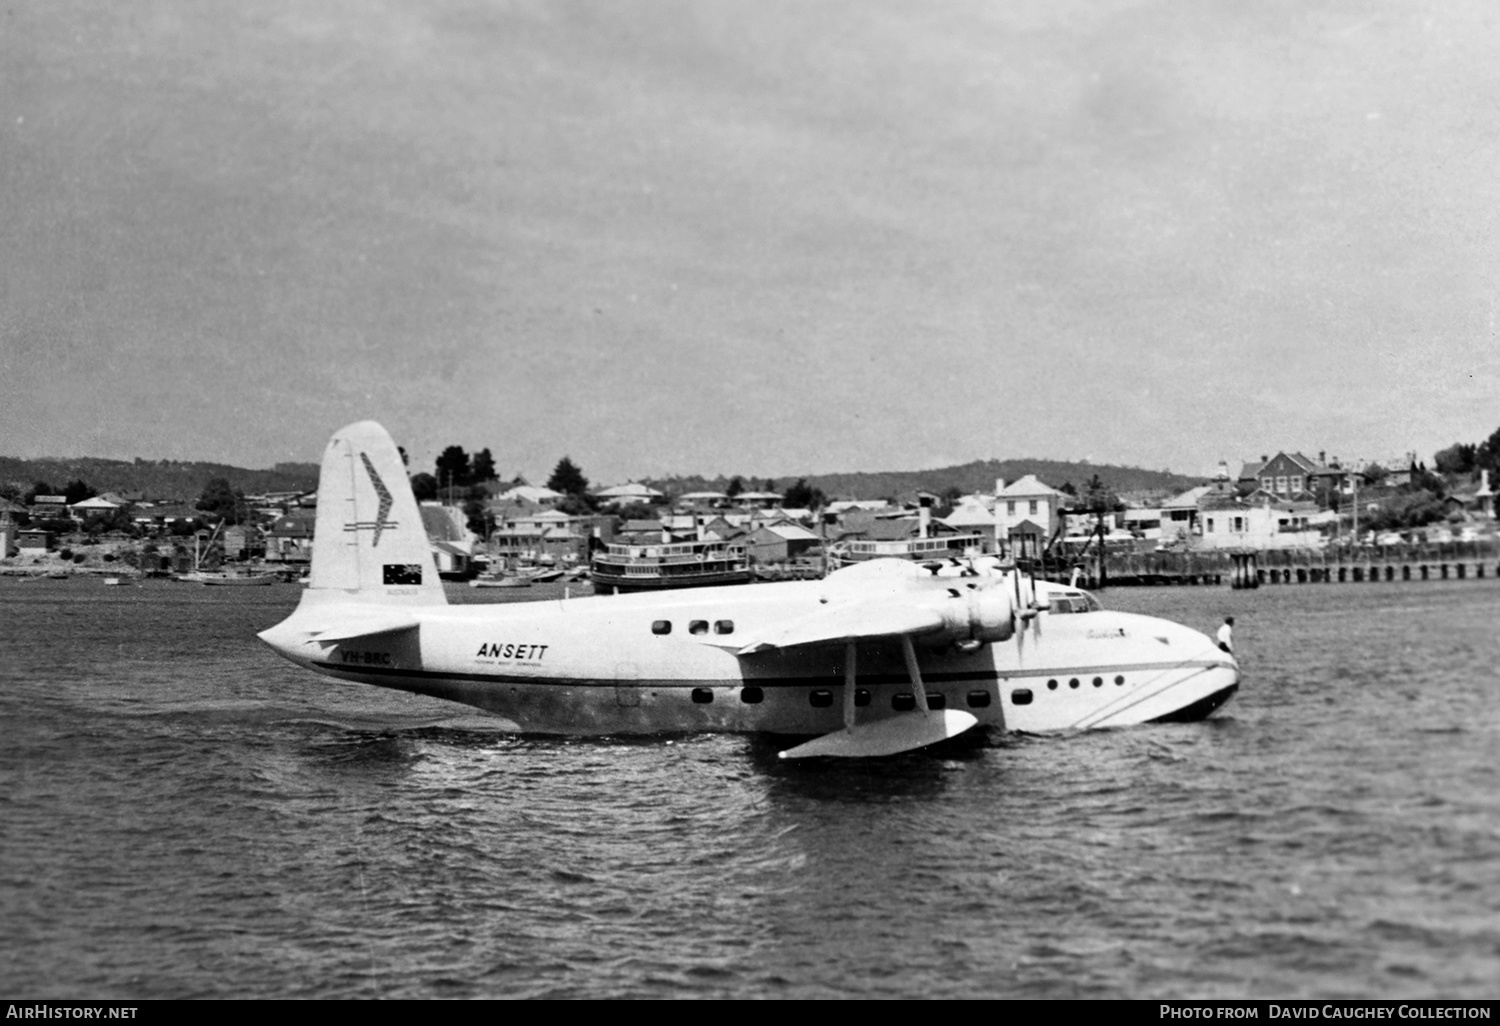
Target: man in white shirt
point(1226, 635)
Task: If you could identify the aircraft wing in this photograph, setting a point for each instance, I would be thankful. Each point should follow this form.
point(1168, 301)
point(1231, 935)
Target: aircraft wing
point(884, 617)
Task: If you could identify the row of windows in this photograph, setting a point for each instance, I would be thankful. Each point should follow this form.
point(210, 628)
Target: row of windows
point(1074, 682)
point(902, 701)
point(694, 627)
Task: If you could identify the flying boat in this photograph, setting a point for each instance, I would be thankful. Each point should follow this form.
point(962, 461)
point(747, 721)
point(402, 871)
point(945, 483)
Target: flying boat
point(877, 658)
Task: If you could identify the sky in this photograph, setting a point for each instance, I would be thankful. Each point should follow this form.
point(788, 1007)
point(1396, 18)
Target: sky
point(763, 237)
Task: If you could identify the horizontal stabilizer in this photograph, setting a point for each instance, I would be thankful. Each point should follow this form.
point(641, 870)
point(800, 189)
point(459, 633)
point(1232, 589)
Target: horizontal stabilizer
point(365, 626)
point(886, 737)
point(854, 621)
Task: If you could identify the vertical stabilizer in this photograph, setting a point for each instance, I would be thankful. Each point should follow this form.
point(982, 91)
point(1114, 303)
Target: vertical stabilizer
point(369, 544)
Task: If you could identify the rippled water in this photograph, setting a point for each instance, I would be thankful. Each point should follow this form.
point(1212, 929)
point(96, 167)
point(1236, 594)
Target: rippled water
point(183, 814)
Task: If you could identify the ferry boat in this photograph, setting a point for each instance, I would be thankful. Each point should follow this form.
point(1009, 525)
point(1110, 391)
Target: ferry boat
point(656, 565)
point(950, 546)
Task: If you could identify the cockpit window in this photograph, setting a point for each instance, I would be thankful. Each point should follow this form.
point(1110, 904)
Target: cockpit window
point(1072, 602)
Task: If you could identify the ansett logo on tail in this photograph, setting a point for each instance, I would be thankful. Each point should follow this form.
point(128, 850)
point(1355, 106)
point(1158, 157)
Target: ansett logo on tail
point(382, 515)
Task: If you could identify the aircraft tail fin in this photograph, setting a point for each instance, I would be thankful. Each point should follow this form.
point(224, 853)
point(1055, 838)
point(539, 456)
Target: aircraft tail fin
point(369, 544)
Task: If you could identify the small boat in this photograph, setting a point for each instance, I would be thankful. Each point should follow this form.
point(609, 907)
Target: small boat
point(119, 582)
point(230, 579)
point(502, 581)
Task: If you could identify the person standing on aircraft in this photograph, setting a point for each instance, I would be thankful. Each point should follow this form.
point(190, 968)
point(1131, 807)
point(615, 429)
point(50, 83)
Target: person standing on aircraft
point(1226, 635)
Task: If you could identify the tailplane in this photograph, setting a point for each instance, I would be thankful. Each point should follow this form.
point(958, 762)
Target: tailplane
point(369, 544)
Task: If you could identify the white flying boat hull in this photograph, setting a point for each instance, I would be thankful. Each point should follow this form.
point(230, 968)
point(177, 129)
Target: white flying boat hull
point(777, 658)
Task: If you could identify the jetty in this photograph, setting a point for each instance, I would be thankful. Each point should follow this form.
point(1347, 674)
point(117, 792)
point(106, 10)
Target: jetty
point(1333, 564)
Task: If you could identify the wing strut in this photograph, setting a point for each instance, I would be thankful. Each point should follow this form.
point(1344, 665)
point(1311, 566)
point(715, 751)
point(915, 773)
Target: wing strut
point(849, 650)
point(918, 688)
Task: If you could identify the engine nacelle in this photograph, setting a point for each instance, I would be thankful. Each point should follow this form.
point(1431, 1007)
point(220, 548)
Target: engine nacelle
point(979, 614)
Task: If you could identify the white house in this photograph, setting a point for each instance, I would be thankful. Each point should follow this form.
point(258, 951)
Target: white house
point(1028, 514)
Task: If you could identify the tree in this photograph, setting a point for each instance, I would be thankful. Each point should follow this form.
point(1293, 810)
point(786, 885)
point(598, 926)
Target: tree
point(38, 488)
point(735, 486)
point(424, 487)
point(579, 505)
point(77, 491)
point(568, 479)
point(803, 496)
point(1456, 459)
point(1100, 498)
point(221, 501)
point(1487, 455)
point(482, 467)
point(453, 468)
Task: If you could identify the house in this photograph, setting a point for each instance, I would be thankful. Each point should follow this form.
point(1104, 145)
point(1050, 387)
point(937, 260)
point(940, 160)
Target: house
point(975, 514)
point(549, 535)
point(528, 496)
point(780, 542)
point(97, 505)
point(758, 500)
point(289, 538)
point(33, 539)
point(1025, 511)
point(1291, 476)
point(629, 493)
point(1260, 522)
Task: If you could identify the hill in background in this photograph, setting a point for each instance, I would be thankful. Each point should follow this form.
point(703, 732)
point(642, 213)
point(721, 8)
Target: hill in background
point(978, 476)
point(155, 479)
point(183, 481)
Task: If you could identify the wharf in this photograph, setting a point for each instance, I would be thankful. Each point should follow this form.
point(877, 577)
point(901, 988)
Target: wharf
point(1336, 564)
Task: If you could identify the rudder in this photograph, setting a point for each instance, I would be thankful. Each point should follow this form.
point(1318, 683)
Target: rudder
point(369, 543)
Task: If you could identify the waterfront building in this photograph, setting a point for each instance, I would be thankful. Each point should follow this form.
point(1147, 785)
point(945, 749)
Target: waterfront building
point(289, 538)
point(1028, 514)
point(780, 542)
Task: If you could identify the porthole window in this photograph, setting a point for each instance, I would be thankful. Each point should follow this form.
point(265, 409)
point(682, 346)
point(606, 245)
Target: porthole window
point(661, 627)
point(697, 626)
point(1119, 679)
point(1098, 682)
point(820, 698)
point(979, 699)
point(1073, 682)
point(703, 696)
point(1052, 685)
point(903, 702)
point(723, 626)
point(752, 695)
point(1020, 696)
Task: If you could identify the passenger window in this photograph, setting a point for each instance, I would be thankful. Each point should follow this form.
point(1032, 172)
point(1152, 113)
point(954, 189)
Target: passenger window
point(661, 627)
point(723, 626)
point(697, 626)
point(979, 699)
point(1020, 696)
